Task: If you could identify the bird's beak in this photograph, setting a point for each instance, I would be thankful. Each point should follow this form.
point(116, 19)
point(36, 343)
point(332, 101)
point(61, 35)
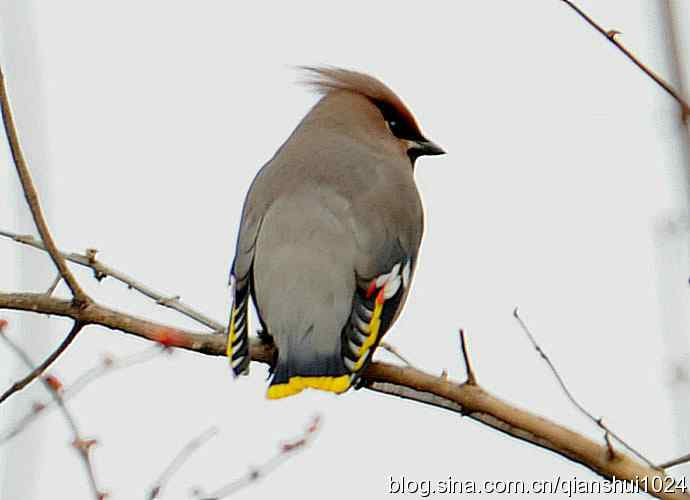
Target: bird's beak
point(426, 148)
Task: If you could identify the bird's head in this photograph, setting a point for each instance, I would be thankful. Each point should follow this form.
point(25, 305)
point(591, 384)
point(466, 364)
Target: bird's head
point(364, 105)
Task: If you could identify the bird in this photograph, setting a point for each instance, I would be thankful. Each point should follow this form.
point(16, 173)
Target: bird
point(329, 236)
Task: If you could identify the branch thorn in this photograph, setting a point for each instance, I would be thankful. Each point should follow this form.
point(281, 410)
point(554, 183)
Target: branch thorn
point(471, 379)
point(91, 254)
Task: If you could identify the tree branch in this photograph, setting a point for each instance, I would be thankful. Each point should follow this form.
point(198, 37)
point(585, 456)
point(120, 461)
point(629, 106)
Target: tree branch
point(610, 35)
point(598, 421)
point(107, 365)
point(83, 446)
point(285, 451)
point(38, 371)
point(179, 460)
point(101, 271)
point(98, 314)
point(31, 196)
point(676, 461)
point(394, 351)
point(404, 382)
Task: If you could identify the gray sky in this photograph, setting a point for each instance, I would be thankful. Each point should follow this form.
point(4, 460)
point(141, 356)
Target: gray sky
point(562, 159)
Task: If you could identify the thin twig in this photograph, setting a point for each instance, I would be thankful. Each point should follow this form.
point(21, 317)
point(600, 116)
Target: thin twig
point(678, 224)
point(676, 461)
point(569, 395)
point(610, 35)
point(471, 378)
point(285, 451)
point(668, 14)
point(101, 271)
point(106, 366)
point(54, 285)
point(31, 196)
point(394, 351)
point(83, 446)
point(38, 371)
point(609, 445)
point(179, 460)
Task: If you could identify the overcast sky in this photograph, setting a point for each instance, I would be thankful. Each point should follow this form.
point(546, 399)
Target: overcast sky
point(145, 122)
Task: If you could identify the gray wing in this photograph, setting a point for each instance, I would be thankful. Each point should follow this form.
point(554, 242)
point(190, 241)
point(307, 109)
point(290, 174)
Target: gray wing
point(253, 211)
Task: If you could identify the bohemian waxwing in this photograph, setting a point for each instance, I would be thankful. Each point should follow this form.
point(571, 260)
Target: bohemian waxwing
point(329, 236)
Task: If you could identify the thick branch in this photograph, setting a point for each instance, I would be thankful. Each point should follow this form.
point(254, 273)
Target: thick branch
point(97, 314)
point(610, 35)
point(38, 371)
point(31, 196)
point(405, 382)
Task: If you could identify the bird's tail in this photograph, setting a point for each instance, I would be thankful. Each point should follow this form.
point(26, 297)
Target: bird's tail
point(300, 366)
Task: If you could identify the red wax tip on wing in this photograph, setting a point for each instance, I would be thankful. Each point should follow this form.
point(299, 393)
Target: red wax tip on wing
point(372, 288)
point(3, 324)
point(379, 297)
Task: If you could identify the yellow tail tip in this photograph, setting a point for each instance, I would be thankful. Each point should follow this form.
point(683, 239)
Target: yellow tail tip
point(297, 384)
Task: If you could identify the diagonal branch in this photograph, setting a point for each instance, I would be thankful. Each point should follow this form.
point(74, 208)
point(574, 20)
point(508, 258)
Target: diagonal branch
point(676, 461)
point(107, 365)
point(610, 35)
point(405, 382)
point(38, 371)
point(101, 271)
point(285, 451)
point(598, 421)
point(395, 352)
point(31, 196)
point(83, 446)
point(179, 460)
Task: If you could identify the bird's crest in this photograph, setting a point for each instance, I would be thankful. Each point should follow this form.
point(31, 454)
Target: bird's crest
point(327, 79)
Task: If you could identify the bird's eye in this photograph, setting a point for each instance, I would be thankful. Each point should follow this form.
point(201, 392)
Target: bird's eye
point(393, 126)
